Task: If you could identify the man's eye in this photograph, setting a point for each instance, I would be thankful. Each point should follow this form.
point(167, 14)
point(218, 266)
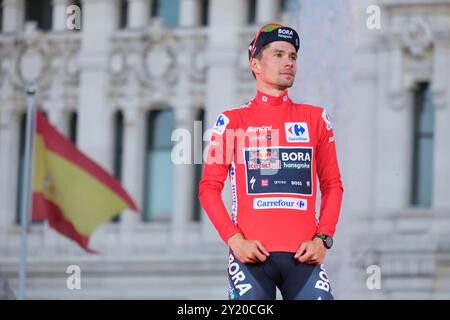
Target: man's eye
point(278, 55)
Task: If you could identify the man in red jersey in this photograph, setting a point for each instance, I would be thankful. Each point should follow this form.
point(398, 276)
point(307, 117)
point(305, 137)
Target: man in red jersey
point(273, 149)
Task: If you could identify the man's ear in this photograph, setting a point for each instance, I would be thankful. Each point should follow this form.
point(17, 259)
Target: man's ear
point(254, 65)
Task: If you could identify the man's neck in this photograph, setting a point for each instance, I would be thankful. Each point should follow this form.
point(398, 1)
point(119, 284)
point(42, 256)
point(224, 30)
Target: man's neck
point(271, 90)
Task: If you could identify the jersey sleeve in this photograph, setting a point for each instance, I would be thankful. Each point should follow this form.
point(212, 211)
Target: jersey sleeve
point(329, 177)
point(215, 172)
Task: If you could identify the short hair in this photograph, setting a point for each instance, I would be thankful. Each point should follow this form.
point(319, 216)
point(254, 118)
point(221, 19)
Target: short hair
point(259, 56)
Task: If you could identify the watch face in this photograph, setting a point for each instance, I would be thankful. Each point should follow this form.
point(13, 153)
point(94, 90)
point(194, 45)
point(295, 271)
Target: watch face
point(329, 241)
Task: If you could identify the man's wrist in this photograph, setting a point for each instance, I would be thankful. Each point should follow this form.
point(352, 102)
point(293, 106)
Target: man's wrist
point(234, 239)
point(326, 240)
point(317, 239)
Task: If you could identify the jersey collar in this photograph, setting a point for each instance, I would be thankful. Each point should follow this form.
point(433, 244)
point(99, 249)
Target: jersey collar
point(264, 99)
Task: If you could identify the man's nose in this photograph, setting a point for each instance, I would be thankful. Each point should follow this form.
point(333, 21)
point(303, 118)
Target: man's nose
point(289, 63)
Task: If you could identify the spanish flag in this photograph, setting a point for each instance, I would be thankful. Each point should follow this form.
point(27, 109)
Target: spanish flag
point(72, 192)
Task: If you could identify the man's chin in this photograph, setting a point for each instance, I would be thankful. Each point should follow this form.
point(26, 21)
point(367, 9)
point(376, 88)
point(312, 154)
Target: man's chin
point(286, 84)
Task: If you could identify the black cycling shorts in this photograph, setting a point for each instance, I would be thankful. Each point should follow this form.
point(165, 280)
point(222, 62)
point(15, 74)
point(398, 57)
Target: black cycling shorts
point(295, 280)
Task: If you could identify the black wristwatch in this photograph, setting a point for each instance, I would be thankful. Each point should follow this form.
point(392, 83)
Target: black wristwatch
point(327, 240)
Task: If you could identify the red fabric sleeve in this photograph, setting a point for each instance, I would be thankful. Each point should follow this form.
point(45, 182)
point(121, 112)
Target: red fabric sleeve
point(215, 172)
point(329, 177)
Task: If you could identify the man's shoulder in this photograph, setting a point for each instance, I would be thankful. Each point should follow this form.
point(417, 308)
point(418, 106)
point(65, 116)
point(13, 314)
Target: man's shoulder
point(240, 108)
point(236, 111)
point(308, 107)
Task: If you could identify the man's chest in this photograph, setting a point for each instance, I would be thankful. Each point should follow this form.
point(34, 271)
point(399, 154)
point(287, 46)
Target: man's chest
point(276, 156)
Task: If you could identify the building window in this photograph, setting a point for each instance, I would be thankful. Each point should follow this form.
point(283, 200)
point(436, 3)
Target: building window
point(73, 123)
point(198, 169)
point(204, 13)
point(123, 14)
point(167, 10)
point(158, 185)
point(423, 130)
point(1, 15)
point(118, 150)
point(76, 3)
point(251, 12)
point(283, 4)
point(39, 11)
point(154, 8)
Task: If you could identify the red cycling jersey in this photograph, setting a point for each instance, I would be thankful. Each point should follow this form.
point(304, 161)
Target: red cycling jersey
point(273, 150)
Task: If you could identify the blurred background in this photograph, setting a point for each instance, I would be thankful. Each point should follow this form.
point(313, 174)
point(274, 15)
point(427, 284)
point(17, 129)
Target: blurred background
point(117, 77)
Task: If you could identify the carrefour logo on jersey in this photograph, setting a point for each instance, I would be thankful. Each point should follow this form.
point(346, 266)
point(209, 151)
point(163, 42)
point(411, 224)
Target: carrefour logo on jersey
point(280, 203)
point(296, 131)
point(221, 124)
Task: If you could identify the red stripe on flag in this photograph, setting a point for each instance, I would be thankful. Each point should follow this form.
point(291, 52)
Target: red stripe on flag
point(59, 144)
point(44, 208)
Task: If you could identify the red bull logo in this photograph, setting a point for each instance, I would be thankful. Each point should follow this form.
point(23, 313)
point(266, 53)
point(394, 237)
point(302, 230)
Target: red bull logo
point(263, 154)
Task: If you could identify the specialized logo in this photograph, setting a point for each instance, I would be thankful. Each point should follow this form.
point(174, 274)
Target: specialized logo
point(327, 120)
point(280, 203)
point(221, 124)
point(296, 131)
point(252, 182)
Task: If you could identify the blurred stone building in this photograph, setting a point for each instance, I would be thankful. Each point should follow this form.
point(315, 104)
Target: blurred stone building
point(117, 77)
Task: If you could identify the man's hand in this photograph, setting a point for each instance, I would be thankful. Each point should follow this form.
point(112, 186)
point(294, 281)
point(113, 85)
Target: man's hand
point(311, 252)
point(247, 251)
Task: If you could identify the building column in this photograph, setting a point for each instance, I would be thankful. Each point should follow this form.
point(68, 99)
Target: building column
point(94, 136)
point(184, 174)
point(59, 15)
point(138, 13)
point(189, 13)
point(9, 149)
point(441, 101)
point(132, 165)
point(266, 11)
point(12, 15)
point(394, 114)
point(226, 19)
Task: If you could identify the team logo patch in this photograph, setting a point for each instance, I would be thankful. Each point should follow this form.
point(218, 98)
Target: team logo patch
point(327, 120)
point(275, 170)
point(285, 33)
point(296, 131)
point(221, 124)
point(280, 203)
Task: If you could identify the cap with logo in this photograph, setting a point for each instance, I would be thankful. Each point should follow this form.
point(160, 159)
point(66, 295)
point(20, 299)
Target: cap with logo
point(270, 33)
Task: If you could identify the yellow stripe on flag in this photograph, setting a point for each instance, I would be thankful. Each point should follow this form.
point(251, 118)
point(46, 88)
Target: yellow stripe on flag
point(83, 199)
